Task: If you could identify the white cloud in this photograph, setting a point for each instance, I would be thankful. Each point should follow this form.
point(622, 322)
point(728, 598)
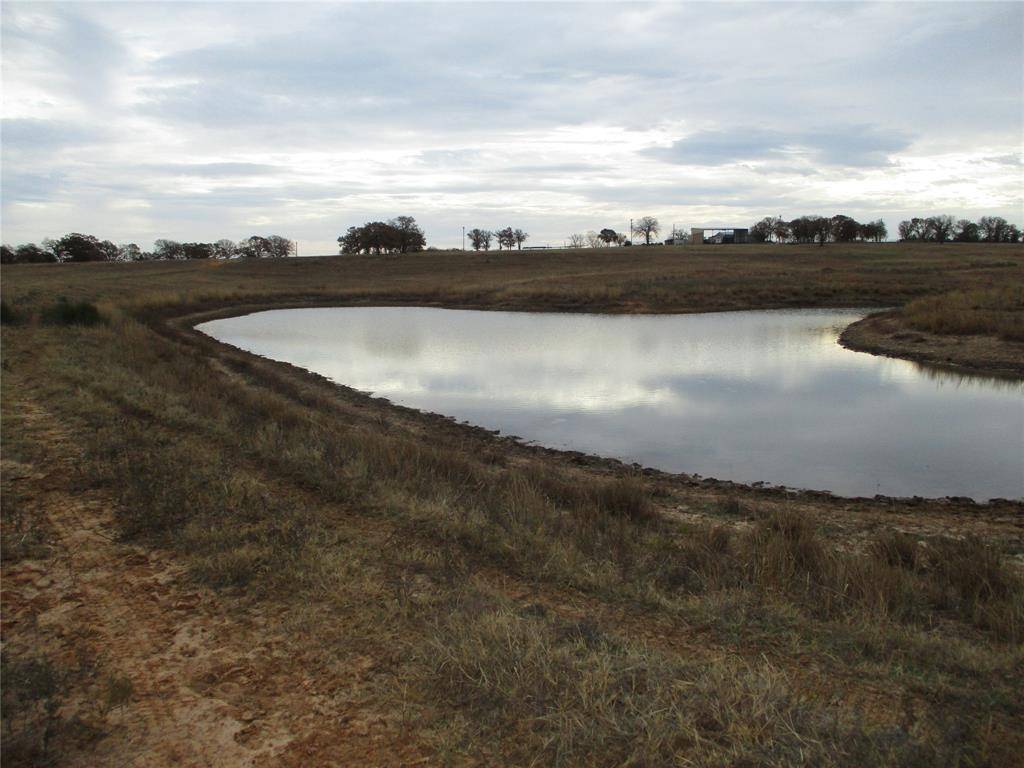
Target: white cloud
point(202, 121)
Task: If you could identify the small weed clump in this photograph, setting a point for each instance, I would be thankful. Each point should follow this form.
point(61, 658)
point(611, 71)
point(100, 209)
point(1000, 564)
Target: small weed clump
point(22, 535)
point(65, 312)
point(9, 315)
point(118, 692)
point(32, 694)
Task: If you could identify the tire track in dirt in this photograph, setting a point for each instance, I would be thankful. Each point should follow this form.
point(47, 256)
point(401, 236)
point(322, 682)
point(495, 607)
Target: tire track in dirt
point(210, 684)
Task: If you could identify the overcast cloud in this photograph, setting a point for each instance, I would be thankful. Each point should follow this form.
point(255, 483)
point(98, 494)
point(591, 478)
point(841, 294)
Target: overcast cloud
point(198, 121)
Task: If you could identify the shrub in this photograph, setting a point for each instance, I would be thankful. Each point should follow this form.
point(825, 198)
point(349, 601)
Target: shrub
point(32, 694)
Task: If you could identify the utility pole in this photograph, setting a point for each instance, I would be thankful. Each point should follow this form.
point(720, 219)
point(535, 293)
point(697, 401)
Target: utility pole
point(630, 233)
point(463, 238)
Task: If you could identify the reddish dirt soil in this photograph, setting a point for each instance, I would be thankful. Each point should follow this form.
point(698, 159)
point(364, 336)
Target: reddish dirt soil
point(211, 684)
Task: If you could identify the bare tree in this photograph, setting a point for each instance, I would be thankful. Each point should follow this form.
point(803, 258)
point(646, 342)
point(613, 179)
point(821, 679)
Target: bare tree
point(781, 230)
point(129, 252)
point(577, 241)
point(822, 228)
point(940, 228)
point(992, 228)
point(915, 229)
point(966, 231)
point(593, 239)
point(647, 227)
point(520, 238)
point(480, 239)
point(761, 232)
point(873, 230)
point(224, 248)
point(280, 247)
point(506, 237)
point(771, 226)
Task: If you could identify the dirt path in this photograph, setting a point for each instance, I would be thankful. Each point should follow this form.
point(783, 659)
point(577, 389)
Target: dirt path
point(159, 671)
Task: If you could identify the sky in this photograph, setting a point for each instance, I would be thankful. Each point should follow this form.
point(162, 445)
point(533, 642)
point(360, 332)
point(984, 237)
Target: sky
point(137, 121)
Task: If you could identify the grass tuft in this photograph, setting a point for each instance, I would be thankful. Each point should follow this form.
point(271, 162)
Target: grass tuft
point(625, 497)
point(897, 549)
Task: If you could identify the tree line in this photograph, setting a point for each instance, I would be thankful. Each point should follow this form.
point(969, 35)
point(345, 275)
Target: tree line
point(817, 229)
point(76, 247)
point(824, 229)
point(646, 227)
point(481, 239)
point(592, 239)
point(843, 229)
point(939, 229)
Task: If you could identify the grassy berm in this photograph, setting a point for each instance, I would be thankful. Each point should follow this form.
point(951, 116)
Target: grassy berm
point(214, 559)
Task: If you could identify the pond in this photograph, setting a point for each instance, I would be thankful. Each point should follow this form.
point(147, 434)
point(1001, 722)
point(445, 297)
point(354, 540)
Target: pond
point(766, 396)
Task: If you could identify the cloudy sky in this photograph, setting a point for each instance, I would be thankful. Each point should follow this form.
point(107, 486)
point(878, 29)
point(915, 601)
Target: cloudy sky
point(198, 121)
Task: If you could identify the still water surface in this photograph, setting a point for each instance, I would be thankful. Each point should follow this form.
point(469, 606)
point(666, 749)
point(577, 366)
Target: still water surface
point(743, 396)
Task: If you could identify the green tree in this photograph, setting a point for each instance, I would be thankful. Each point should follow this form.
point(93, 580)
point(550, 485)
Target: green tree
point(844, 229)
point(408, 234)
point(78, 247)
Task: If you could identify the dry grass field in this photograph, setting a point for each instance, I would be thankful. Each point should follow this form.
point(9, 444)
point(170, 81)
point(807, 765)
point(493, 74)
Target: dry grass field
point(212, 558)
point(657, 279)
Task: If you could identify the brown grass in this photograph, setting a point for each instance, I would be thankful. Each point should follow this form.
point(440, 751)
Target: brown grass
point(997, 311)
point(535, 609)
point(659, 279)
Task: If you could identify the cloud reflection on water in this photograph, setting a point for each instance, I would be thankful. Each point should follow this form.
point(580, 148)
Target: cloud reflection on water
point(745, 396)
